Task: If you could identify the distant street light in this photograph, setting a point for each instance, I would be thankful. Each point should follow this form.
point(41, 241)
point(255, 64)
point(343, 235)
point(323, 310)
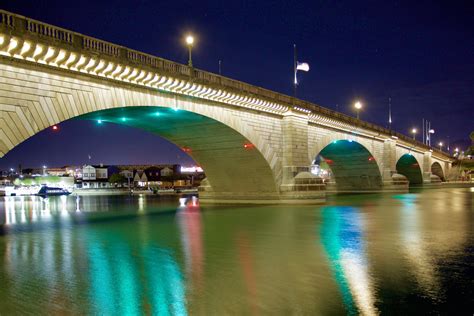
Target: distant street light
point(190, 42)
point(413, 131)
point(440, 145)
point(358, 106)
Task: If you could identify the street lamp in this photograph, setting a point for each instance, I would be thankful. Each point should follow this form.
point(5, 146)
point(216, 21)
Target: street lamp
point(358, 106)
point(413, 131)
point(190, 42)
point(440, 145)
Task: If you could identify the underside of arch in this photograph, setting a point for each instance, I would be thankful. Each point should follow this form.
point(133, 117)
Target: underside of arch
point(353, 166)
point(235, 168)
point(437, 170)
point(408, 166)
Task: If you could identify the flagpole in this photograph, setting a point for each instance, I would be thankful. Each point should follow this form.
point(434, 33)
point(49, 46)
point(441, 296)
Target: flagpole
point(294, 69)
point(390, 113)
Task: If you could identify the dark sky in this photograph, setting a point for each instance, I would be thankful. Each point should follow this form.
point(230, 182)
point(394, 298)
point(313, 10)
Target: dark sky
point(419, 53)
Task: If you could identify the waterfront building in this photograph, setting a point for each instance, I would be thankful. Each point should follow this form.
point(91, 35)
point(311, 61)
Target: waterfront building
point(97, 176)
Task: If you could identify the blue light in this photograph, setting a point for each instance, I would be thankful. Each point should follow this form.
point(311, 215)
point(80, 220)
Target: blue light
point(99, 121)
point(123, 119)
point(175, 109)
point(334, 142)
point(350, 140)
point(157, 114)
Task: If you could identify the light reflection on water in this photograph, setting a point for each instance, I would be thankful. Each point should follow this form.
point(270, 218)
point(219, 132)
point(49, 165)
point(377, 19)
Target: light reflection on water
point(131, 255)
point(342, 233)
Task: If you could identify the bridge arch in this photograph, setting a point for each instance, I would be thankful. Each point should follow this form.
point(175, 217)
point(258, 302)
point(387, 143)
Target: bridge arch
point(409, 166)
point(437, 170)
point(239, 163)
point(354, 167)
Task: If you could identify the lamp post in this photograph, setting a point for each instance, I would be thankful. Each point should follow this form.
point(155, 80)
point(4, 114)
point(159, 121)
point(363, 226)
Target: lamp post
point(440, 145)
point(190, 42)
point(413, 131)
point(358, 106)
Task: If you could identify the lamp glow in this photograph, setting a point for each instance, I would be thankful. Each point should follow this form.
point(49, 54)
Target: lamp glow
point(189, 40)
point(358, 106)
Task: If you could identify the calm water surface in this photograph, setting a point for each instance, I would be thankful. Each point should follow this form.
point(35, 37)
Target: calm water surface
point(361, 254)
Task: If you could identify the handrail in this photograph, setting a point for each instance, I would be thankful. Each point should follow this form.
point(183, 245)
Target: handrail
point(46, 31)
point(6, 18)
point(100, 46)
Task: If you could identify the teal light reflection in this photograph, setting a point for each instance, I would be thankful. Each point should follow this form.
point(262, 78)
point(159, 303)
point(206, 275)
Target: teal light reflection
point(166, 283)
point(117, 286)
point(331, 240)
point(343, 242)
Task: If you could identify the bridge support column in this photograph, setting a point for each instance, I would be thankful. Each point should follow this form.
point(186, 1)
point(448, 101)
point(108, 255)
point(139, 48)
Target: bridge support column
point(298, 185)
point(426, 168)
point(392, 181)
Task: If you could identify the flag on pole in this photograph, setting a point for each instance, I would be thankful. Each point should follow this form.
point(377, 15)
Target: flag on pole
point(302, 66)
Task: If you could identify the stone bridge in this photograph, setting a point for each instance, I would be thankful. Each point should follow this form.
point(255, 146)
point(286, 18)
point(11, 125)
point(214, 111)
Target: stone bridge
point(255, 145)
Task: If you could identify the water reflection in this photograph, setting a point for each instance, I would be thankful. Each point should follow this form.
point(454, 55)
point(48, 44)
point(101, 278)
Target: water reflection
point(343, 241)
point(54, 258)
point(190, 226)
point(145, 255)
point(413, 245)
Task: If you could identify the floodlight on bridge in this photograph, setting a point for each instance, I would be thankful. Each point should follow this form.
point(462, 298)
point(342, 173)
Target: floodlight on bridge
point(413, 131)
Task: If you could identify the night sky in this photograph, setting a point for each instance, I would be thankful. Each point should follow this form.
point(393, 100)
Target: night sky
point(418, 53)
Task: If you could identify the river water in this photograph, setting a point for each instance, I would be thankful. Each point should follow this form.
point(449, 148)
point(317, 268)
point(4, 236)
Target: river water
point(120, 255)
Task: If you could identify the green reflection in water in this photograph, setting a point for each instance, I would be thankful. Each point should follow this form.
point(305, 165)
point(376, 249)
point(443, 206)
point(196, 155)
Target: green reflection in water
point(342, 238)
point(330, 230)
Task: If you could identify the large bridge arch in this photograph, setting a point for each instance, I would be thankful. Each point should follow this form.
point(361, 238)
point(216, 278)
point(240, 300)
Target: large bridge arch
point(437, 170)
point(409, 166)
point(37, 97)
point(354, 167)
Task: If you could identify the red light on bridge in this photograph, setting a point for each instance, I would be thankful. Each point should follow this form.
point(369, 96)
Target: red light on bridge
point(249, 146)
point(371, 158)
point(55, 127)
point(186, 149)
point(329, 161)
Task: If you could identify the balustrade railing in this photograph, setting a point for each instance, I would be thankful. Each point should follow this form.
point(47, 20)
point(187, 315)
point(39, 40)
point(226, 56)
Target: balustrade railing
point(99, 46)
point(6, 19)
point(43, 29)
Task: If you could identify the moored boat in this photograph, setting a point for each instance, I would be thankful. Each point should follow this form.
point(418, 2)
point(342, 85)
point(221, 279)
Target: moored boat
point(51, 191)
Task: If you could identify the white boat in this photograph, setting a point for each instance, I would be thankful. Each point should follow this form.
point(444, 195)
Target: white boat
point(21, 190)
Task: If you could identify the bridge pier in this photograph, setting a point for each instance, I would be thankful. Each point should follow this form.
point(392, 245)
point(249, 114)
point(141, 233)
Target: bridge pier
point(391, 180)
point(298, 185)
